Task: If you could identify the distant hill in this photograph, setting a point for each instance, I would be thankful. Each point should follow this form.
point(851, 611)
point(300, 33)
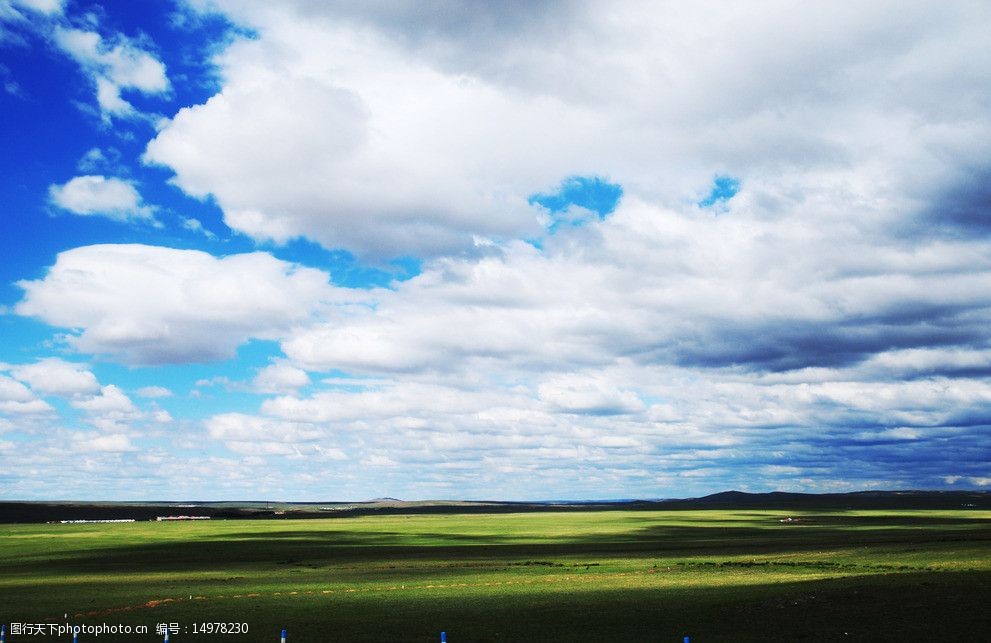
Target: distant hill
point(34, 512)
point(854, 500)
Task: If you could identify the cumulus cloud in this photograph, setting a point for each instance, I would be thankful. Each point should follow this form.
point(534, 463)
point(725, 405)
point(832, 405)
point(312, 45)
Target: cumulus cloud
point(110, 400)
point(17, 399)
point(54, 376)
point(104, 407)
point(657, 345)
point(413, 136)
point(280, 378)
point(113, 68)
point(253, 435)
point(657, 286)
point(101, 196)
point(376, 158)
point(152, 305)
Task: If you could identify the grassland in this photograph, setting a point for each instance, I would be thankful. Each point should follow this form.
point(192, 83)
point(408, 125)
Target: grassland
point(569, 576)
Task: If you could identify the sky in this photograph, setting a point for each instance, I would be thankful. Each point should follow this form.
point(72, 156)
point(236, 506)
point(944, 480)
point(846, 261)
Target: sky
point(314, 250)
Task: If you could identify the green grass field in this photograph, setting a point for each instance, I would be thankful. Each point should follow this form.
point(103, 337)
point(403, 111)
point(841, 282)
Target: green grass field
point(570, 576)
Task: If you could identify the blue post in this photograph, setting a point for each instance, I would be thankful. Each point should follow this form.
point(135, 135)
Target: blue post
point(75, 637)
point(3, 633)
point(443, 637)
point(686, 640)
point(166, 636)
point(283, 637)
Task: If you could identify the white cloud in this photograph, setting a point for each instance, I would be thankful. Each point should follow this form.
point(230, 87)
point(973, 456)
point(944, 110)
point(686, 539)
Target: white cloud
point(110, 401)
point(154, 392)
point(102, 196)
point(671, 342)
point(572, 394)
point(280, 378)
point(412, 132)
point(46, 7)
point(17, 399)
point(654, 285)
point(98, 160)
point(720, 427)
point(92, 159)
point(378, 461)
point(54, 376)
point(195, 225)
point(10, 85)
point(146, 304)
point(256, 436)
point(113, 443)
point(915, 361)
point(781, 470)
point(375, 159)
point(239, 427)
point(27, 407)
point(113, 68)
point(162, 417)
point(642, 347)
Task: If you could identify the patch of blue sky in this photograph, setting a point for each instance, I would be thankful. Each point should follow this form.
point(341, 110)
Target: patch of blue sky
point(344, 268)
point(69, 416)
point(592, 193)
point(724, 188)
point(205, 401)
point(38, 129)
point(25, 340)
point(51, 122)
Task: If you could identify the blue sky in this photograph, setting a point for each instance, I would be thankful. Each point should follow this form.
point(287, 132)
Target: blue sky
point(287, 251)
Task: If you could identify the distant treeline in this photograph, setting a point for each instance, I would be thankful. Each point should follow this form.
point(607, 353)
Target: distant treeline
point(35, 512)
